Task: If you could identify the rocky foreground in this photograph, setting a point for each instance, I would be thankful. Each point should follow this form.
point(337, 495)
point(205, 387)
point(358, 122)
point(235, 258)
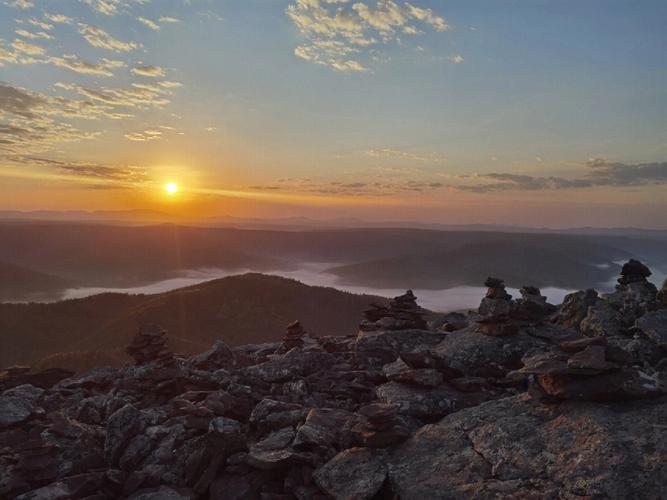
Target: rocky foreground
point(521, 399)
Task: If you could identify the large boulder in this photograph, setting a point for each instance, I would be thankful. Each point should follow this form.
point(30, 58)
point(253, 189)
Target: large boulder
point(427, 404)
point(376, 348)
point(290, 366)
point(615, 385)
point(470, 353)
point(516, 448)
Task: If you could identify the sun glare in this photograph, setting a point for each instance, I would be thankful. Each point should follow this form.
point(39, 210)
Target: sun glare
point(171, 188)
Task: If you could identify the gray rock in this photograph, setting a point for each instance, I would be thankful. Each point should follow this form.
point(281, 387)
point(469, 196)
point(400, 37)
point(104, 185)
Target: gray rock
point(353, 474)
point(270, 414)
point(421, 402)
point(292, 365)
point(323, 428)
point(602, 320)
point(376, 348)
point(653, 326)
point(18, 404)
point(575, 308)
point(219, 356)
point(122, 427)
point(618, 385)
point(591, 358)
point(477, 355)
point(495, 307)
point(225, 427)
point(516, 448)
point(277, 440)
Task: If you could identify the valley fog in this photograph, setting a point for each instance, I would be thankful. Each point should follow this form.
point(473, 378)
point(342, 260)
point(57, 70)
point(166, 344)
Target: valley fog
point(444, 300)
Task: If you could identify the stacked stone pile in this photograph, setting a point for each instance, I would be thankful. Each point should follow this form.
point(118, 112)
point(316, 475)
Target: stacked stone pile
point(532, 306)
point(294, 337)
point(403, 313)
point(634, 294)
point(495, 310)
point(382, 426)
point(150, 346)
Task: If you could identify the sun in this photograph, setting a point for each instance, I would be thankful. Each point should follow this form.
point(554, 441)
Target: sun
point(171, 188)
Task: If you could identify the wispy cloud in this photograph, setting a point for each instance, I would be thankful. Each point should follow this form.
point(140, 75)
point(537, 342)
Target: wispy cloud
point(349, 188)
point(107, 7)
point(40, 35)
point(142, 96)
point(95, 175)
point(147, 22)
point(20, 4)
point(149, 71)
point(342, 35)
point(29, 120)
point(601, 173)
point(144, 136)
point(401, 154)
point(27, 48)
point(40, 24)
point(72, 62)
point(58, 18)
point(169, 20)
point(97, 37)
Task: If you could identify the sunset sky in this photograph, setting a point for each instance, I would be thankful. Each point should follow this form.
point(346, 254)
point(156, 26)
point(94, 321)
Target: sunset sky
point(527, 112)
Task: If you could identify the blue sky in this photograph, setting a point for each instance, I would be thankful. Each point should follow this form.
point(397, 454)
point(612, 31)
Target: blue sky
point(337, 103)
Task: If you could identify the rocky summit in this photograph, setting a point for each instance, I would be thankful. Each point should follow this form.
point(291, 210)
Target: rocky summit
point(520, 399)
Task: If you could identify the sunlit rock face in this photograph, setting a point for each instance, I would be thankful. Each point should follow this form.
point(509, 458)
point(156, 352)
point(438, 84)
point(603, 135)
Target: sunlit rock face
point(521, 400)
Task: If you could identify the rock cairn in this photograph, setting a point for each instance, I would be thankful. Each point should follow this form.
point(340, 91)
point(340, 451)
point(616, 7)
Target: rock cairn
point(293, 337)
point(634, 294)
point(382, 426)
point(633, 271)
point(532, 306)
point(403, 313)
point(495, 310)
point(150, 346)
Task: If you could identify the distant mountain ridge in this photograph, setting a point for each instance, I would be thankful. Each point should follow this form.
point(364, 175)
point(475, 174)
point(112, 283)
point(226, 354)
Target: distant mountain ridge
point(123, 256)
point(250, 308)
point(16, 280)
point(307, 223)
point(471, 264)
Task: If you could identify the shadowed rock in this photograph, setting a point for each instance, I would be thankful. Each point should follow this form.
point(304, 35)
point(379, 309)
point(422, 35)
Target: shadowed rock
point(403, 313)
point(495, 310)
point(566, 409)
point(150, 346)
